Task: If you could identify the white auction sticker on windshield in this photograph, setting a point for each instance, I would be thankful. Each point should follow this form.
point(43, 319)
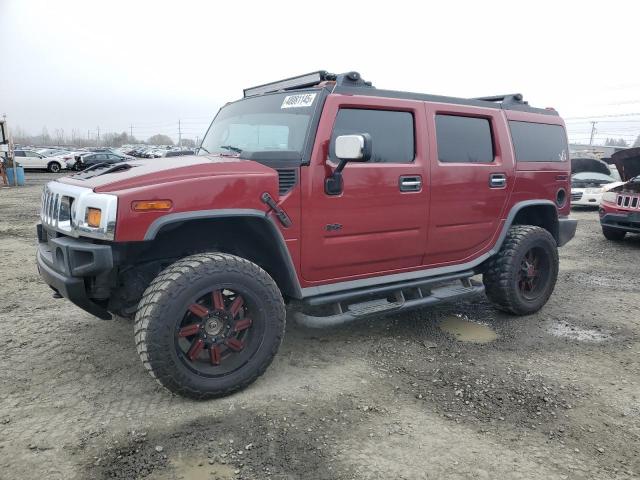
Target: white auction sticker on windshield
point(298, 101)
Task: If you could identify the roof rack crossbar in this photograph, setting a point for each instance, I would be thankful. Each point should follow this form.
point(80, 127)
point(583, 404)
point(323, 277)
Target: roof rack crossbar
point(308, 80)
point(508, 98)
point(300, 81)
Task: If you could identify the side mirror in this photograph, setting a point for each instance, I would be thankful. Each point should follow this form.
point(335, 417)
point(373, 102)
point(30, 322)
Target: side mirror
point(353, 148)
point(348, 148)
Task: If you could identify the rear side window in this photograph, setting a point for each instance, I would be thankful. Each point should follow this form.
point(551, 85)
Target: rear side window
point(539, 142)
point(464, 139)
point(391, 133)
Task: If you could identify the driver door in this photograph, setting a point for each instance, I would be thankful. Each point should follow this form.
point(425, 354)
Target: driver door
point(378, 223)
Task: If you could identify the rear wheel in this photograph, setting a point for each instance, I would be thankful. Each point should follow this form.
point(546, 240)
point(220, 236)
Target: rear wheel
point(209, 325)
point(522, 276)
point(54, 167)
point(613, 234)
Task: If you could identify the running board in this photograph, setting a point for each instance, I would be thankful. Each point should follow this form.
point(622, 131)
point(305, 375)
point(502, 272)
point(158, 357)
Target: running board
point(400, 303)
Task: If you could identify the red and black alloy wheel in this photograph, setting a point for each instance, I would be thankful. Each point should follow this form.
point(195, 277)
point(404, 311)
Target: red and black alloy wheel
point(215, 333)
point(534, 273)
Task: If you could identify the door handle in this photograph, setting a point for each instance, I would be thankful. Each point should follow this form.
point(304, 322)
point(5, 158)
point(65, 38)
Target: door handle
point(410, 183)
point(497, 180)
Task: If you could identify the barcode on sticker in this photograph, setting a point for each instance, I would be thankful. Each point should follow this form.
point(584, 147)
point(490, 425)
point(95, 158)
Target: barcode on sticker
point(298, 101)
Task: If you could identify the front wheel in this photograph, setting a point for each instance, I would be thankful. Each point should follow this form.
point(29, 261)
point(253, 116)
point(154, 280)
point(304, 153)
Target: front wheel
point(54, 167)
point(209, 325)
point(520, 278)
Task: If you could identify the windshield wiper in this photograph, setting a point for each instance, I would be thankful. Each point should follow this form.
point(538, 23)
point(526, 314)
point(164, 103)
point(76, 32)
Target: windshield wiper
point(232, 148)
point(202, 148)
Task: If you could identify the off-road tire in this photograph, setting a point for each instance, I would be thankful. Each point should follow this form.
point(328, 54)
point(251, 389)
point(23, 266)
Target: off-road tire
point(164, 303)
point(613, 234)
point(54, 167)
point(500, 276)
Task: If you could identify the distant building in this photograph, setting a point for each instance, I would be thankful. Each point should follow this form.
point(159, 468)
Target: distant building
point(578, 150)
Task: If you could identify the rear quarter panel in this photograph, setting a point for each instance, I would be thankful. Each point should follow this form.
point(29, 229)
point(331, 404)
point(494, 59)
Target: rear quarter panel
point(541, 180)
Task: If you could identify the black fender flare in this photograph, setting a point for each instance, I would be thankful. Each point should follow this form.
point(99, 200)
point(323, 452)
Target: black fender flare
point(292, 284)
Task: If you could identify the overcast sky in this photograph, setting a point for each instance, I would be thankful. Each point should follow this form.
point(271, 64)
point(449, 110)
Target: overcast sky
point(113, 64)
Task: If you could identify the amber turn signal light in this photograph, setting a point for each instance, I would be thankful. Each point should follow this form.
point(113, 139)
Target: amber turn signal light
point(93, 217)
point(151, 205)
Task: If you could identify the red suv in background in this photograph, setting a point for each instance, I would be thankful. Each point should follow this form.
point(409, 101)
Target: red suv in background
point(620, 207)
point(318, 191)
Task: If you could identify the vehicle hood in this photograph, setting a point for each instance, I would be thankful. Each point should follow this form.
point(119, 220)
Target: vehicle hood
point(579, 165)
point(157, 171)
point(627, 162)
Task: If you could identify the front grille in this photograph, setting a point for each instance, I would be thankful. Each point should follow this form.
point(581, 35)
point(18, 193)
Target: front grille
point(287, 179)
point(628, 201)
point(576, 196)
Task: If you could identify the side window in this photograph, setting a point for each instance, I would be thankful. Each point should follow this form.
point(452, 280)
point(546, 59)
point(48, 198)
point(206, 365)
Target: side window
point(464, 139)
point(392, 133)
point(32, 154)
point(19, 153)
point(539, 142)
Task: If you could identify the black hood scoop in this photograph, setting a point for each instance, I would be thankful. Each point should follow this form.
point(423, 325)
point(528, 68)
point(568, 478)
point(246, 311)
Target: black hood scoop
point(101, 169)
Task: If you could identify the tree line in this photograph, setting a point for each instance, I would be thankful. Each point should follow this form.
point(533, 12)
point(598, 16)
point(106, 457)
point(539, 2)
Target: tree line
point(108, 139)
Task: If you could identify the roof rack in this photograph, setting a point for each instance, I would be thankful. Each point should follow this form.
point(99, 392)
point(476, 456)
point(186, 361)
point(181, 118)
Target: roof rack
point(352, 79)
point(351, 83)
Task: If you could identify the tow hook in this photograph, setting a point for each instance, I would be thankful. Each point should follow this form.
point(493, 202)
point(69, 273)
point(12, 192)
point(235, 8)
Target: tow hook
point(280, 213)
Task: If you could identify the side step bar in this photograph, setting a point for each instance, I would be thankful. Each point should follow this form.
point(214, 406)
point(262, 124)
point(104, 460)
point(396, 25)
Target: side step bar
point(438, 294)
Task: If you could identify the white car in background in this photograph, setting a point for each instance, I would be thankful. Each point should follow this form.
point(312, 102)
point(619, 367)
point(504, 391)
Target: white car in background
point(587, 188)
point(32, 160)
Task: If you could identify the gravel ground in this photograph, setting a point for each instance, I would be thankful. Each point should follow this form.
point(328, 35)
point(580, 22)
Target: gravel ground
point(457, 392)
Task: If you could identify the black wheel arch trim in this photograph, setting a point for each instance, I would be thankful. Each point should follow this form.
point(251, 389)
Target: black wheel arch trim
point(292, 286)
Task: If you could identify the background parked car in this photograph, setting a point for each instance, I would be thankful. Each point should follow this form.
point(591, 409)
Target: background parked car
point(90, 159)
point(31, 159)
point(587, 188)
point(590, 178)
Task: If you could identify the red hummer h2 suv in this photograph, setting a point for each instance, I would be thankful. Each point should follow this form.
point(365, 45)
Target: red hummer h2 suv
point(318, 191)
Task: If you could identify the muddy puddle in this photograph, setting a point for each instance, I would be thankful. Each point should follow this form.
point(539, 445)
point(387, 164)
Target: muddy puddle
point(185, 468)
point(573, 332)
point(465, 330)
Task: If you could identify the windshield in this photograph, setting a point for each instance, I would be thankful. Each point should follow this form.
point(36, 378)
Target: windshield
point(277, 123)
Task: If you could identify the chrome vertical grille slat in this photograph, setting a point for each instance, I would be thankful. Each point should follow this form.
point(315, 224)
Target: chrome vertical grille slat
point(628, 201)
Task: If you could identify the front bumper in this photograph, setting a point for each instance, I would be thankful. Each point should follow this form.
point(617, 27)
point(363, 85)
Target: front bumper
point(584, 199)
point(566, 230)
point(629, 222)
point(73, 268)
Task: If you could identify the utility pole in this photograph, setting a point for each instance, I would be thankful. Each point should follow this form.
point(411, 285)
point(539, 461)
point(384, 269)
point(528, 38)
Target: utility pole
point(593, 132)
point(179, 134)
point(98, 137)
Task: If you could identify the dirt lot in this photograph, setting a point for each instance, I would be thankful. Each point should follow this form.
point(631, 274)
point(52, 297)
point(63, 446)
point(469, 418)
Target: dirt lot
point(551, 396)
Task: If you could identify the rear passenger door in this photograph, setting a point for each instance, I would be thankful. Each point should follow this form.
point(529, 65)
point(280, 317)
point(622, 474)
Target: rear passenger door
point(472, 174)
